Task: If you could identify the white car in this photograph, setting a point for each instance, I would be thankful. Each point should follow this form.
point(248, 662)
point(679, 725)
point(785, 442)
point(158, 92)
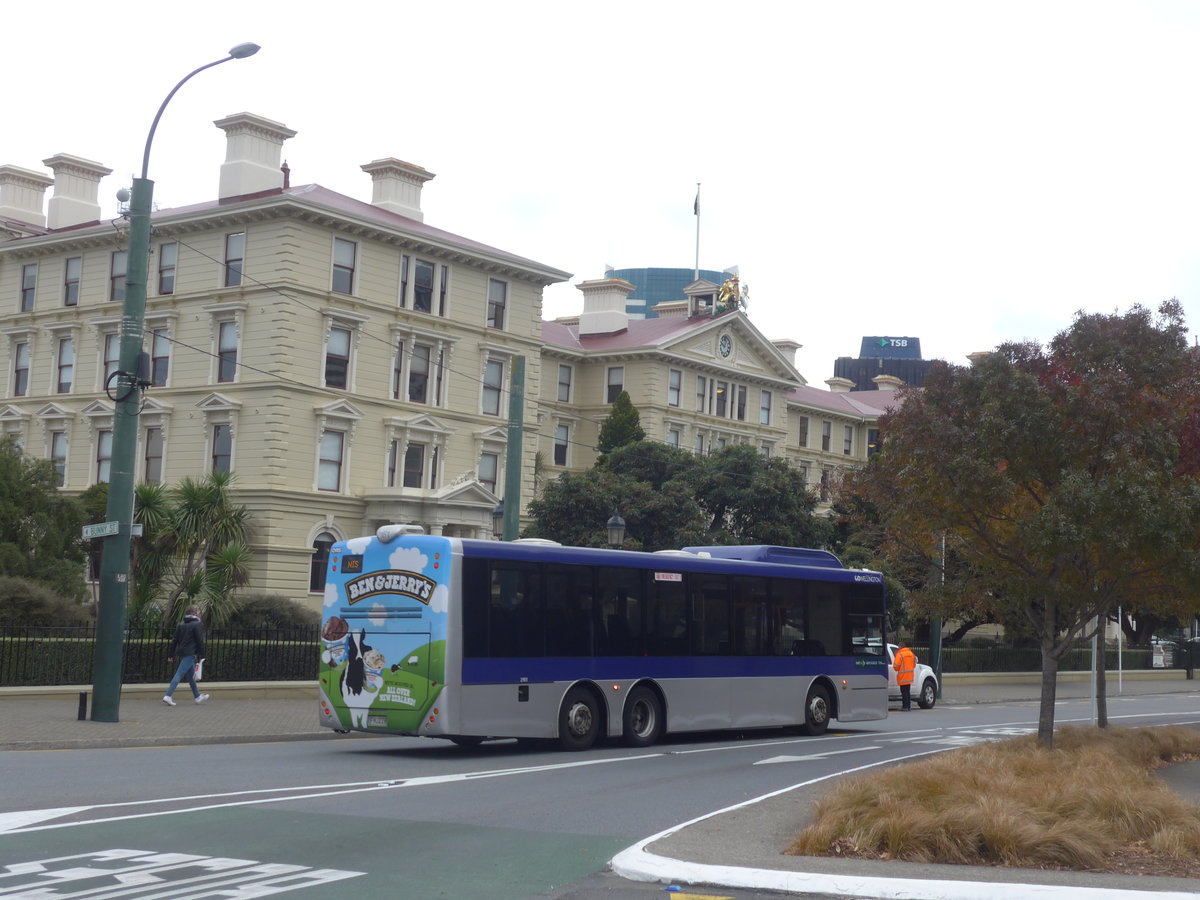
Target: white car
point(924, 686)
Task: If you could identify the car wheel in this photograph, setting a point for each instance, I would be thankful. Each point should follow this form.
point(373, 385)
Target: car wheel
point(928, 695)
point(578, 720)
point(816, 711)
point(643, 719)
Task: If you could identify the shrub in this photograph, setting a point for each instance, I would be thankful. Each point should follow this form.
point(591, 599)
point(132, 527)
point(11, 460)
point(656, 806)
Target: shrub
point(271, 611)
point(26, 602)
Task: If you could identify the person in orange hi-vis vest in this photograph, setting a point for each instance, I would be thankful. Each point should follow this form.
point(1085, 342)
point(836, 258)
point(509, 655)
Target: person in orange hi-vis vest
point(905, 665)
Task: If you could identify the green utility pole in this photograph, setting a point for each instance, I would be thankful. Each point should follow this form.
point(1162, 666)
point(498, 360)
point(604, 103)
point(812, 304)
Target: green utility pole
point(512, 456)
point(127, 394)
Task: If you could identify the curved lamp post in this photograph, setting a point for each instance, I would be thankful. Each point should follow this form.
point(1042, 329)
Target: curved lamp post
point(114, 565)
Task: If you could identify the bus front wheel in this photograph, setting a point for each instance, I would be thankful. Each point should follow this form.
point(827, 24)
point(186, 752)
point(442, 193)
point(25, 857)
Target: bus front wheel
point(643, 719)
point(578, 720)
point(816, 711)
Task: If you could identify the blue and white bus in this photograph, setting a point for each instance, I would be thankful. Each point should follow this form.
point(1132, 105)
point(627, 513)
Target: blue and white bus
point(473, 639)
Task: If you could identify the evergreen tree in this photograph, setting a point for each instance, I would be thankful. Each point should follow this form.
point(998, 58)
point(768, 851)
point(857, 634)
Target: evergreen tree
point(623, 426)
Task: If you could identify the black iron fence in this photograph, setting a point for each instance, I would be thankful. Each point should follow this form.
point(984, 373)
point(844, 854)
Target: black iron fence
point(53, 656)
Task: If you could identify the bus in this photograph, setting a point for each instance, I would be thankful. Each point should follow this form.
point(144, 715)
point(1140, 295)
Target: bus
point(470, 640)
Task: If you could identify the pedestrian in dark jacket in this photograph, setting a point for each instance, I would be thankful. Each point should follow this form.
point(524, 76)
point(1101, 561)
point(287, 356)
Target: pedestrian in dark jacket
point(189, 642)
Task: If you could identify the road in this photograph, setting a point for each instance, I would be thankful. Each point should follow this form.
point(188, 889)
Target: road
point(411, 818)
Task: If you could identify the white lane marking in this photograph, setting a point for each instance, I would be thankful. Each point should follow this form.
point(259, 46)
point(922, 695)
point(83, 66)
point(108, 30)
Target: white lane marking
point(311, 792)
point(12, 820)
point(811, 756)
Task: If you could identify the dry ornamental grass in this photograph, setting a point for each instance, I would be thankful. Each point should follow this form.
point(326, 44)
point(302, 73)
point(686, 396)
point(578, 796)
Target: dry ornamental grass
point(1092, 803)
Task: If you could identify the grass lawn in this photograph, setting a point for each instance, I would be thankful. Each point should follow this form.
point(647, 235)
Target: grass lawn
point(1093, 803)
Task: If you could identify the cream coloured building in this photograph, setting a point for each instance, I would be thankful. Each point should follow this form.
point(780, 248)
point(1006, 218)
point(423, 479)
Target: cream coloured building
point(350, 363)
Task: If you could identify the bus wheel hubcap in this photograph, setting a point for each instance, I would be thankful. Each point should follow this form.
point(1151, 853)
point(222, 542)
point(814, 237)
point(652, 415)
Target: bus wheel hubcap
point(579, 719)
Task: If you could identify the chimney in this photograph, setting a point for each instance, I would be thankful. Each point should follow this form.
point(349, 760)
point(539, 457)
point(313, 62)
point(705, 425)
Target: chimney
point(788, 349)
point(604, 306)
point(21, 193)
point(840, 385)
point(76, 186)
point(396, 186)
point(887, 383)
point(253, 147)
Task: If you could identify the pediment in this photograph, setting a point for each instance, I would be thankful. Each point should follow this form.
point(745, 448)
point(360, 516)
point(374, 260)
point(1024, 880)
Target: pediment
point(218, 401)
point(12, 414)
point(150, 405)
point(468, 493)
point(97, 408)
point(750, 353)
point(420, 422)
point(53, 411)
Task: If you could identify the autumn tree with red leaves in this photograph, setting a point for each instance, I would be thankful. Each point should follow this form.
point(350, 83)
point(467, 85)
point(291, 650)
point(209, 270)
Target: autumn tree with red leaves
point(1066, 476)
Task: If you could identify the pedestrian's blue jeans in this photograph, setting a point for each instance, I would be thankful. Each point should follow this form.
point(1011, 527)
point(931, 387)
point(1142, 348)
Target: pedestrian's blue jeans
point(187, 666)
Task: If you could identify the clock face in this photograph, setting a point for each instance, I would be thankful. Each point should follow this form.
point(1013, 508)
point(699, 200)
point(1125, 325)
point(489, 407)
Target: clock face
point(725, 345)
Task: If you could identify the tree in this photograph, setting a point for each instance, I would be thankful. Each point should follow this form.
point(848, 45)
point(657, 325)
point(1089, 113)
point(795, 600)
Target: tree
point(192, 549)
point(40, 528)
point(670, 498)
point(1066, 477)
point(623, 426)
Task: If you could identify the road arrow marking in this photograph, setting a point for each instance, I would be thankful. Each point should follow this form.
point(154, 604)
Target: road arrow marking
point(787, 759)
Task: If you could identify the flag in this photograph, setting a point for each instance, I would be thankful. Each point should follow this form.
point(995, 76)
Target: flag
point(696, 205)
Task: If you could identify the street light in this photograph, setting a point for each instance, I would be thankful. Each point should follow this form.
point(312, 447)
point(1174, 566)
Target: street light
point(114, 565)
point(498, 521)
point(616, 530)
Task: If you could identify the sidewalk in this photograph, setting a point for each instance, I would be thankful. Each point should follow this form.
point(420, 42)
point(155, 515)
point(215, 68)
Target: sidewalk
point(740, 847)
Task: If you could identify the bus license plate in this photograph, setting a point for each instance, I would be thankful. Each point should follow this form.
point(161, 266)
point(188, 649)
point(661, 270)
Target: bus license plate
point(377, 721)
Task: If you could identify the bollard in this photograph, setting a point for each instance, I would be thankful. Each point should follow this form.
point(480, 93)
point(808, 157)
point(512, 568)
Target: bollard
point(82, 706)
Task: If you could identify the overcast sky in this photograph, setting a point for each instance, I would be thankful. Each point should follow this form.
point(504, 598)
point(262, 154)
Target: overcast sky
point(962, 172)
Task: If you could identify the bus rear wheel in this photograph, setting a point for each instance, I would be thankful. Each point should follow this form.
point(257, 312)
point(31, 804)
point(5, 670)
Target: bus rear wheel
point(578, 720)
point(816, 711)
point(643, 719)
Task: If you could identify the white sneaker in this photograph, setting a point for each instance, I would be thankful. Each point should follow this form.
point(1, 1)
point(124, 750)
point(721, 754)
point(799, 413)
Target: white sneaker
point(167, 700)
point(201, 698)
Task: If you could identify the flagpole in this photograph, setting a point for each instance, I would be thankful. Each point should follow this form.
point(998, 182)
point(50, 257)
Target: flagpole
point(696, 210)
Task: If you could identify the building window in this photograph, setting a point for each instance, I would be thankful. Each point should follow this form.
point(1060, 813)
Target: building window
point(168, 256)
point(227, 351)
point(826, 435)
point(489, 469)
point(344, 253)
point(674, 386)
point(71, 281)
point(320, 561)
point(222, 448)
point(104, 441)
point(802, 422)
point(154, 454)
point(28, 285)
point(160, 357)
point(741, 403)
point(235, 258)
point(701, 393)
point(698, 447)
point(66, 364)
point(418, 374)
point(112, 356)
point(872, 441)
point(673, 437)
point(764, 407)
point(116, 275)
point(848, 440)
point(493, 385)
point(497, 301)
point(21, 369)
point(722, 398)
point(616, 382)
point(329, 466)
point(404, 260)
point(564, 383)
point(337, 358)
point(765, 450)
point(560, 445)
point(414, 465)
point(443, 290)
point(58, 455)
point(826, 476)
point(423, 287)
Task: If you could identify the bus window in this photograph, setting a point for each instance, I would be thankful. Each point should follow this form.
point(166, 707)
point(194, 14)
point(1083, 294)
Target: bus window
point(787, 626)
point(515, 614)
point(666, 615)
point(825, 622)
point(570, 611)
point(710, 615)
point(475, 596)
point(749, 597)
point(621, 611)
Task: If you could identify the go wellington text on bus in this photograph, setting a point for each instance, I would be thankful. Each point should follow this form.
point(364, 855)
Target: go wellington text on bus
point(473, 639)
